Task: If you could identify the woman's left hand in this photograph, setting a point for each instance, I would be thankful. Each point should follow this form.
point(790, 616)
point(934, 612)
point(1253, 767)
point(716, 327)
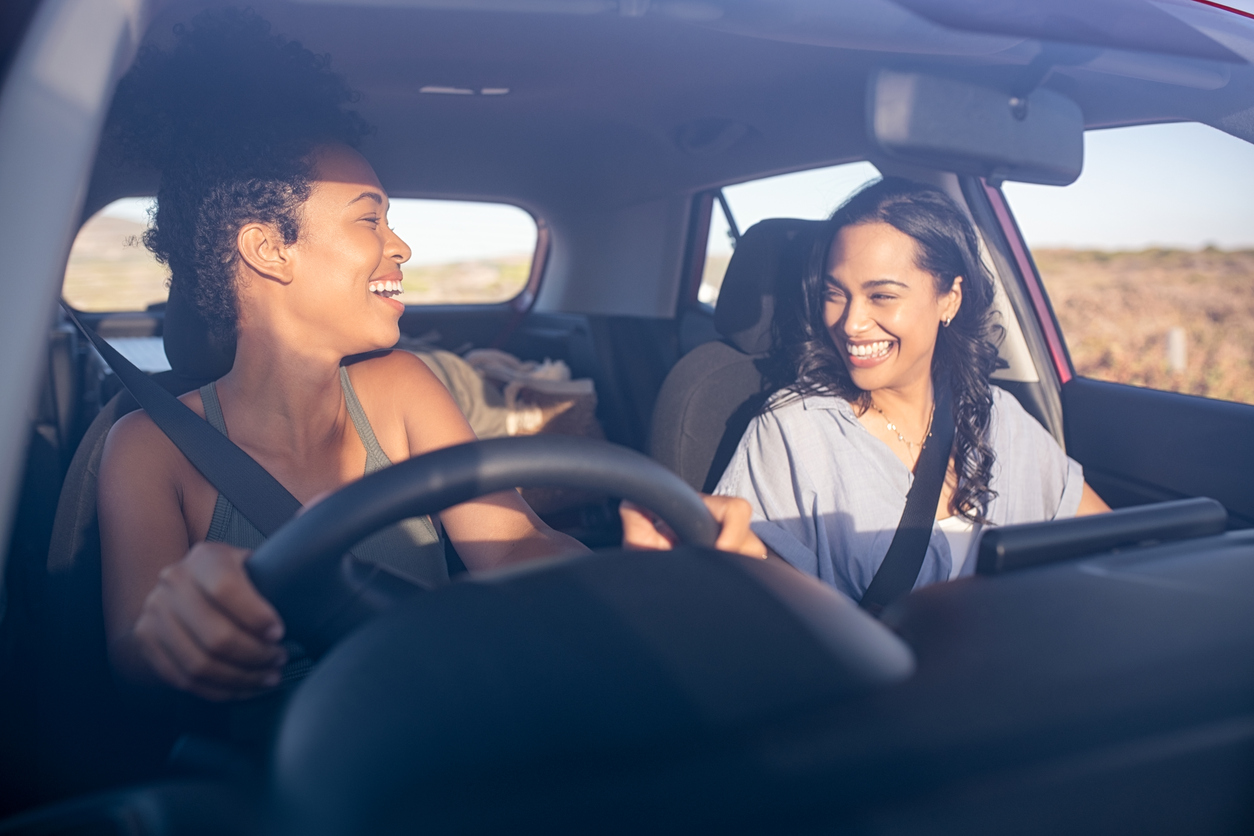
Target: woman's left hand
point(644, 531)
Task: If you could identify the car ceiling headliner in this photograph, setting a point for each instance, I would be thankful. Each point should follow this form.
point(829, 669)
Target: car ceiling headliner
point(600, 95)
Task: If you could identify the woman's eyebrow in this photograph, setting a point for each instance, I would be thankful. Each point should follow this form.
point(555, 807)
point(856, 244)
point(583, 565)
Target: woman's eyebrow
point(375, 196)
point(884, 283)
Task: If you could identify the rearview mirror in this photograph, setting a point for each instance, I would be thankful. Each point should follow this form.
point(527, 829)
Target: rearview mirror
point(970, 129)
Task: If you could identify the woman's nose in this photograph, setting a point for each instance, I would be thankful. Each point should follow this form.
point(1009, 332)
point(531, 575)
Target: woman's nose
point(396, 248)
point(856, 318)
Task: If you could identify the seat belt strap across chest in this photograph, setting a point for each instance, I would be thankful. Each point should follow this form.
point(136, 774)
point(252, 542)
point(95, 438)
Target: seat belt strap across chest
point(900, 569)
point(248, 486)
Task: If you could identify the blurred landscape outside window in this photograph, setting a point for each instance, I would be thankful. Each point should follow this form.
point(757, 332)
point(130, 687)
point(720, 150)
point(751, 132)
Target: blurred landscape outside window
point(463, 253)
point(1148, 258)
point(809, 195)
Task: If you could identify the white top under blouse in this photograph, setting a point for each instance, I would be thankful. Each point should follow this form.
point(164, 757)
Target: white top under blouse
point(960, 534)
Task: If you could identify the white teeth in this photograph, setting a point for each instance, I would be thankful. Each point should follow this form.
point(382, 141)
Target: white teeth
point(385, 288)
point(869, 350)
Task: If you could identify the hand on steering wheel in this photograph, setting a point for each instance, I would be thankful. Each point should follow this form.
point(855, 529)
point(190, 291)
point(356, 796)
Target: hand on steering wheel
point(644, 530)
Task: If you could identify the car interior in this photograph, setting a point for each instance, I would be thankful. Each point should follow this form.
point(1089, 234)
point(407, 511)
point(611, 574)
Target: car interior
point(1093, 677)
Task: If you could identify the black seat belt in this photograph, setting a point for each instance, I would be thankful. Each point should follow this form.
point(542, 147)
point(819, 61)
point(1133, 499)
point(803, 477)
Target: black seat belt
point(900, 569)
point(246, 484)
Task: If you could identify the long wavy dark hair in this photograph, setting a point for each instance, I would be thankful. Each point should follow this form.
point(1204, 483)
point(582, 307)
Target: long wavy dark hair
point(966, 351)
point(229, 115)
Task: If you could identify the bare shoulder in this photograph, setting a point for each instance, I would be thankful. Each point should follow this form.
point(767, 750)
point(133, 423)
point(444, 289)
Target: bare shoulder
point(141, 479)
point(134, 435)
point(398, 389)
point(136, 445)
point(390, 371)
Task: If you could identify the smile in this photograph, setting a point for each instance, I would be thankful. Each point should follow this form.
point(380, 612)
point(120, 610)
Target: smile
point(869, 351)
point(386, 287)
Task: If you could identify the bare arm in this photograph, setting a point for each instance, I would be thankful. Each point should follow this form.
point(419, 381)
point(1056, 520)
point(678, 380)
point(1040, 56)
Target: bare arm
point(1091, 503)
point(491, 531)
point(178, 614)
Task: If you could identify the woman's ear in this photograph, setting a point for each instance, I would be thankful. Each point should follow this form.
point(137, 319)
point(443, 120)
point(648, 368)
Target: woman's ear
point(262, 248)
point(951, 301)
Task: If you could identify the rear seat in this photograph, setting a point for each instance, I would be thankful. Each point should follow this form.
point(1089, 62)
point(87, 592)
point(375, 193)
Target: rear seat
point(713, 392)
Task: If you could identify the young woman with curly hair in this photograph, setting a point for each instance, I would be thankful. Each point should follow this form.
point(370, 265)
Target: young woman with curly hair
point(276, 227)
point(896, 303)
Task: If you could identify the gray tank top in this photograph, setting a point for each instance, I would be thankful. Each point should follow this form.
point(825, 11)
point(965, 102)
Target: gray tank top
point(411, 548)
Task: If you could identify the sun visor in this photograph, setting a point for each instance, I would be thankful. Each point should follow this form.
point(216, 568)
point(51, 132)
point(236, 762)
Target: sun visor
point(971, 129)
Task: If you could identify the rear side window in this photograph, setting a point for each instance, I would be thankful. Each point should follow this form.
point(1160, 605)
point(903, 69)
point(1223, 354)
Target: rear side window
point(464, 253)
point(809, 195)
point(1148, 258)
point(109, 268)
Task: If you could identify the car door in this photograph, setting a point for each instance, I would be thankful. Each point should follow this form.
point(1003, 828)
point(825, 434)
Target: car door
point(1149, 338)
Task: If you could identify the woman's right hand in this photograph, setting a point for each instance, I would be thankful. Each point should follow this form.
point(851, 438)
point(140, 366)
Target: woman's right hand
point(205, 629)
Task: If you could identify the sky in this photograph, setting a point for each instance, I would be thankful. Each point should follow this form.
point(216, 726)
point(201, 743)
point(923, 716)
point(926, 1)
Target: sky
point(1179, 185)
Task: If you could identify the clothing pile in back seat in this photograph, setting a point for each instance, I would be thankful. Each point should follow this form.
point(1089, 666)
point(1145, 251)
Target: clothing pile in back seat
point(501, 395)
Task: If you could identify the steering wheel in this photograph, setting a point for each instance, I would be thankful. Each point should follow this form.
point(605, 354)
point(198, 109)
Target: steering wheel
point(322, 593)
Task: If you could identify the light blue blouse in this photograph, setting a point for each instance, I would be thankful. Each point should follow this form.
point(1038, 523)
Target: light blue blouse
point(827, 495)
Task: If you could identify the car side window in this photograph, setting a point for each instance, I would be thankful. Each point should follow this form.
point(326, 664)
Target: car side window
point(109, 268)
point(811, 195)
point(1148, 258)
point(464, 253)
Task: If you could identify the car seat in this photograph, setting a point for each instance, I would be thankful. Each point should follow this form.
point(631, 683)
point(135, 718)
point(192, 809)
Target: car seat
point(91, 737)
point(712, 393)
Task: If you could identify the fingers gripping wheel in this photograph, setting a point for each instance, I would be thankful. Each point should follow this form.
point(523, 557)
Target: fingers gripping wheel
point(304, 571)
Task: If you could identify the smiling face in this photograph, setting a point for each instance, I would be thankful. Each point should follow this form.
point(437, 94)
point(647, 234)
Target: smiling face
point(882, 311)
point(345, 265)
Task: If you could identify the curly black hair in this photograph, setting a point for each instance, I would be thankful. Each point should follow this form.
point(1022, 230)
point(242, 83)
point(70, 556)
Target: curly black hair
point(229, 115)
point(808, 362)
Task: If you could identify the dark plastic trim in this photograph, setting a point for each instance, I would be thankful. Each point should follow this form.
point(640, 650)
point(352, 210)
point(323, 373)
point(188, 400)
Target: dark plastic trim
point(1014, 547)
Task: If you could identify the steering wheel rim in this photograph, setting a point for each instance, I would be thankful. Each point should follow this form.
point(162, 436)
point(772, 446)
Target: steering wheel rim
point(322, 593)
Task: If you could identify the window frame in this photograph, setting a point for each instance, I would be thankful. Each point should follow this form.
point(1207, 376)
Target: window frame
point(701, 215)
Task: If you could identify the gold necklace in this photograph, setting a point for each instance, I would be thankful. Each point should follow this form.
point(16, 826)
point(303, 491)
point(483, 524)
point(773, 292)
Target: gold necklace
point(910, 445)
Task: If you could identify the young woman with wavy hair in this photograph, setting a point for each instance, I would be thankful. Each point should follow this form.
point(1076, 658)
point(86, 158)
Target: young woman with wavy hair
point(896, 303)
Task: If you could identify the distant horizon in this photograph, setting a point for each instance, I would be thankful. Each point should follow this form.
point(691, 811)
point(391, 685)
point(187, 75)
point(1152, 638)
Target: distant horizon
point(438, 231)
point(129, 217)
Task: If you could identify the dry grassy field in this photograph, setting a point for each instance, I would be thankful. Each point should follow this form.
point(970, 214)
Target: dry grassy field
point(468, 282)
point(109, 269)
point(1117, 309)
